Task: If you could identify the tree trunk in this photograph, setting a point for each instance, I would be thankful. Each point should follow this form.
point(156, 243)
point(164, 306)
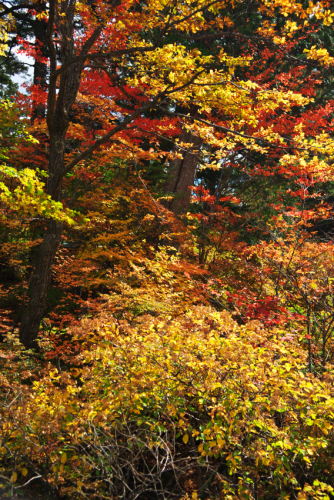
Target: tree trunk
point(181, 174)
point(60, 102)
point(42, 274)
point(63, 88)
point(40, 284)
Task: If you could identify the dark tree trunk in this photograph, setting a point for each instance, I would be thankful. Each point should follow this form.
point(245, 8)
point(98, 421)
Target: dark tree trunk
point(61, 99)
point(182, 171)
point(58, 110)
point(182, 174)
point(42, 275)
point(40, 284)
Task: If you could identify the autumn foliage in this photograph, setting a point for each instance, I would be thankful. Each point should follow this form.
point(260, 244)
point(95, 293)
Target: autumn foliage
point(166, 258)
point(181, 405)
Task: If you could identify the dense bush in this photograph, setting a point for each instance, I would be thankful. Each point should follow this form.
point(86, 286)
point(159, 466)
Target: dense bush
point(168, 407)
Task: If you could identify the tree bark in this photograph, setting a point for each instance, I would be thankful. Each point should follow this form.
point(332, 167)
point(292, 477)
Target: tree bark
point(40, 284)
point(182, 173)
point(42, 275)
point(58, 110)
point(61, 98)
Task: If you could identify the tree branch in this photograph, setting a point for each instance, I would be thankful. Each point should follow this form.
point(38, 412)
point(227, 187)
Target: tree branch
point(53, 66)
point(229, 130)
point(132, 50)
point(105, 138)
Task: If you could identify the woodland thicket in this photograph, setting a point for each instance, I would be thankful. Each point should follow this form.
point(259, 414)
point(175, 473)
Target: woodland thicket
point(166, 257)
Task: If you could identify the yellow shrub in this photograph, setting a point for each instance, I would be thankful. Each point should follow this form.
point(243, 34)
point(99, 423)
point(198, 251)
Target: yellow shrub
point(192, 405)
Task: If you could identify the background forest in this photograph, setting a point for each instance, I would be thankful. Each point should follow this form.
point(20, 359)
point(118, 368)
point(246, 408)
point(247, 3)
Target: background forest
point(166, 258)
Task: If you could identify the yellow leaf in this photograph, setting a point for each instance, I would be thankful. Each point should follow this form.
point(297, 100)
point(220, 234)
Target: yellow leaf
point(302, 495)
point(24, 472)
point(63, 458)
point(200, 448)
point(14, 477)
point(185, 438)
point(220, 442)
point(42, 15)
